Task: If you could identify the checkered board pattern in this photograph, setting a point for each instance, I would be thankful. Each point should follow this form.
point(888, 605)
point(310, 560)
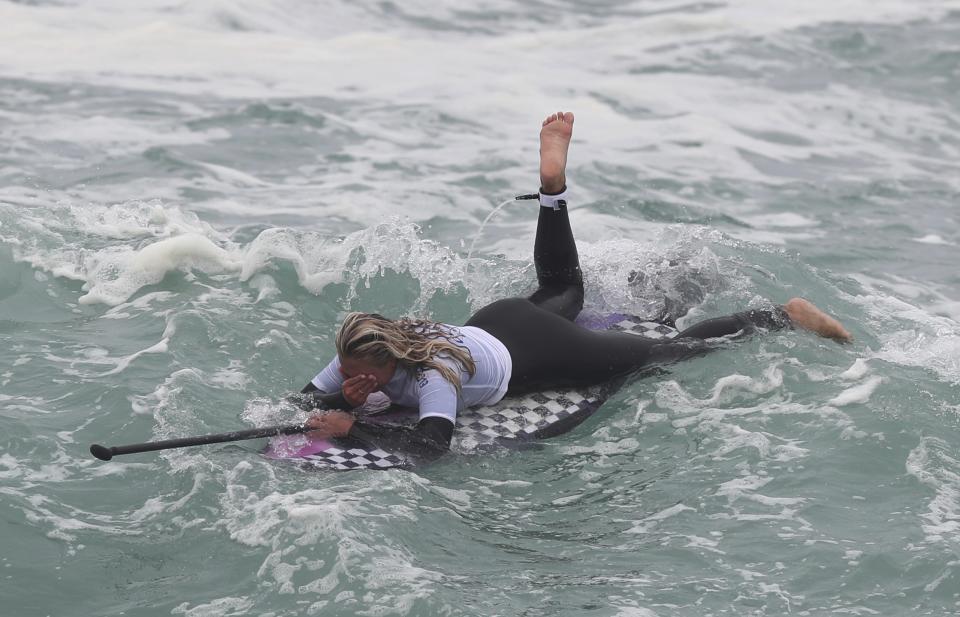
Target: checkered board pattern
point(354, 458)
point(515, 418)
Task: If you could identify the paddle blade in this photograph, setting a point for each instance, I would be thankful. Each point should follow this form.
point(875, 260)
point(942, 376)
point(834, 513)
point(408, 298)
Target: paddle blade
point(101, 452)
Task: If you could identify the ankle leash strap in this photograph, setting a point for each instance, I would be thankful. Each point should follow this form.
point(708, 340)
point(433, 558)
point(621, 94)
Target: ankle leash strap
point(555, 202)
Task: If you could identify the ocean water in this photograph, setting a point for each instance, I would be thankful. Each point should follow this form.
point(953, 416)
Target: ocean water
point(193, 194)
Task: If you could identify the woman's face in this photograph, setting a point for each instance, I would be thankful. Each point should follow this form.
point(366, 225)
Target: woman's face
point(351, 367)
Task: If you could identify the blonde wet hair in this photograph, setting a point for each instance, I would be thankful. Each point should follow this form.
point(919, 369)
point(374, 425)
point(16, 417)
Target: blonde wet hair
point(411, 342)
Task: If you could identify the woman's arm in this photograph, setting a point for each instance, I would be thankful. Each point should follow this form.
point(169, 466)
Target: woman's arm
point(331, 390)
point(427, 440)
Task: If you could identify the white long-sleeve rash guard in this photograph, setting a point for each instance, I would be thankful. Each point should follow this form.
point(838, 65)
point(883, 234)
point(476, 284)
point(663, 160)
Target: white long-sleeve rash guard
point(427, 390)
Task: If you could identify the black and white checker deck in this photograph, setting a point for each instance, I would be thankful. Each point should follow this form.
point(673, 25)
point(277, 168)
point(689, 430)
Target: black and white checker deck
point(354, 458)
point(522, 417)
point(514, 418)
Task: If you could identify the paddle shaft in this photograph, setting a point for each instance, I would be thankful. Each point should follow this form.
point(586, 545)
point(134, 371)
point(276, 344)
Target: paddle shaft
point(105, 453)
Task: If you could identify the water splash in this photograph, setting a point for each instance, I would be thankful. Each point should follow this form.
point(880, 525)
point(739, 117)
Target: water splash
point(484, 224)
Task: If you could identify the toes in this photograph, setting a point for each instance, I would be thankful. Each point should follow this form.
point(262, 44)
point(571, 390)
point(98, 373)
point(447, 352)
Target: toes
point(561, 116)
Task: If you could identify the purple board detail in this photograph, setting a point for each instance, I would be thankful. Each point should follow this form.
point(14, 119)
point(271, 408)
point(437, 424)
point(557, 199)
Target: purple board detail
point(596, 321)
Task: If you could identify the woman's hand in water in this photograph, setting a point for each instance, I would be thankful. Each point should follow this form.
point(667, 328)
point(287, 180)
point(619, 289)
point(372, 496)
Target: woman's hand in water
point(357, 389)
point(330, 424)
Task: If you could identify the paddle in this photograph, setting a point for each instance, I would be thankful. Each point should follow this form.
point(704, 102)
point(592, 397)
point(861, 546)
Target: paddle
point(105, 453)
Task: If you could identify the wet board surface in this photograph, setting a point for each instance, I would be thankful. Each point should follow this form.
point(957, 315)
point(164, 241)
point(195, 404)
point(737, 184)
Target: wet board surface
point(512, 420)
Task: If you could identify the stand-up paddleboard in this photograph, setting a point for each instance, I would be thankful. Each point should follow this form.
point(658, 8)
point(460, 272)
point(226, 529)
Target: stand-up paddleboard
point(513, 419)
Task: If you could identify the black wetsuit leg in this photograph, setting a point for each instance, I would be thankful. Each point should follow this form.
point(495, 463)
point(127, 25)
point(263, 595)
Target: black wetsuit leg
point(745, 321)
point(549, 350)
point(560, 281)
point(693, 340)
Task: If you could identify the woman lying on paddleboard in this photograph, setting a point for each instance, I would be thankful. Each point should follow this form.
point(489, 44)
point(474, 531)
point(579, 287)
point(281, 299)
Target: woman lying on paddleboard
point(513, 345)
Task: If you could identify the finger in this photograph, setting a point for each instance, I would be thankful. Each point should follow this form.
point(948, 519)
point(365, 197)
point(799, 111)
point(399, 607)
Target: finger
point(353, 386)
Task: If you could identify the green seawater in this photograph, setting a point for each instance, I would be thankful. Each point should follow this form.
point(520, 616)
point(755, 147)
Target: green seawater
point(192, 197)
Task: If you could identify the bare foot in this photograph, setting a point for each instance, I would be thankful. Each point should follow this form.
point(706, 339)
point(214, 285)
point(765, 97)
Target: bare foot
point(804, 314)
point(554, 141)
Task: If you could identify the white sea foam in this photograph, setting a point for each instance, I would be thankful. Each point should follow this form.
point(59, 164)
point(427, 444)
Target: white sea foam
point(916, 336)
point(857, 370)
point(745, 488)
point(232, 377)
point(734, 439)
point(284, 523)
point(194, 50)
point(138, 244)
point(140, 304)
point(65, 522)
point(114, 275)
point(858, 394)
point(671, 395)
point(932, 463)
point(231, 606)
point(650, 522)
point(667, 275)
point(634, 611)
point(134, 245)
point(320, 261)
point(932, 239)
point(605, 447)
point(939, 353)
point(158, 505)
point(197, 41)
point(111, 136)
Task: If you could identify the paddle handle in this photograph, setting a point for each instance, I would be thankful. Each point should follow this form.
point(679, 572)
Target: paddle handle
point(105, 453)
